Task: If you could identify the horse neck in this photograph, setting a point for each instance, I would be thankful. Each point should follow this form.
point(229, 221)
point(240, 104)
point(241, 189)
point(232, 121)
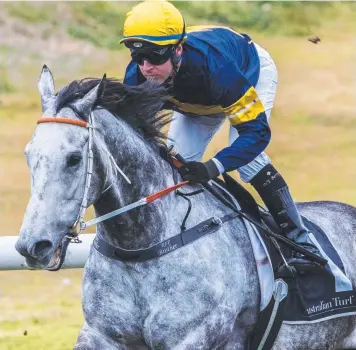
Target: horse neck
point(148, 173)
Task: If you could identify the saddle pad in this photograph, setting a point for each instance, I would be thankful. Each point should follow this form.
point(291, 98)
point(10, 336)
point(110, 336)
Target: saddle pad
point(311, 297)
point(323, 295)
point(263, 264)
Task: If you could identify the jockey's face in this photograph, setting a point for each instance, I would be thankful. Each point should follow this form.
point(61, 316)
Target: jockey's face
point(159, 73)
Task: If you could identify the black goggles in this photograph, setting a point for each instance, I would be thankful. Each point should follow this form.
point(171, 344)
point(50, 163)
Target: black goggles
point(155, 57)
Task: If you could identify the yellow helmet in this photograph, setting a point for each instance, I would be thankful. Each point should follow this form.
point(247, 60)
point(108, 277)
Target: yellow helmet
point(156, 21)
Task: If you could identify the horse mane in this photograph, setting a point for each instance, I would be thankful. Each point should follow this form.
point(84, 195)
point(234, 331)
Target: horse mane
point(139, 106)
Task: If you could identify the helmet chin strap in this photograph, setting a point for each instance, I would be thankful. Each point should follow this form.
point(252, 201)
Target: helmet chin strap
point(174, 58)
point(169, 80)
point(175, 62)
point(174, 72)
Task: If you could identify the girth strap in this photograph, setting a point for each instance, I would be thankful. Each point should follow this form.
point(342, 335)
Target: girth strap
point(164, 247)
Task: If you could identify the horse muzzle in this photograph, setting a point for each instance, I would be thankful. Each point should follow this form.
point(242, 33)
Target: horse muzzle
point(43, 255)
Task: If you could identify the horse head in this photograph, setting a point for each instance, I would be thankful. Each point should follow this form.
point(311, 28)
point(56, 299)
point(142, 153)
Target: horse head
point(71, 163)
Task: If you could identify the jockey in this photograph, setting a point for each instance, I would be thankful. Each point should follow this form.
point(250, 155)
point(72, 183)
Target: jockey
point(214, 73)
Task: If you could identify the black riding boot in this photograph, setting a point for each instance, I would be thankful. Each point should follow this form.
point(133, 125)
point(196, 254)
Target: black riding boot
point(274, 192)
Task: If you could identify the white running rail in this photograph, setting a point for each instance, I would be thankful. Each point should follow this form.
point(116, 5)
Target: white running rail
point(77, 254)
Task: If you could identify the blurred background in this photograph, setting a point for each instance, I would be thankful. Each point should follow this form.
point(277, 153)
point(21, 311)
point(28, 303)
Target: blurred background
point(313, 122)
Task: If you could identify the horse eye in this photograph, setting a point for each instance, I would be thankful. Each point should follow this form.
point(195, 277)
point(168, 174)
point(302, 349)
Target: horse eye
point(74, 159)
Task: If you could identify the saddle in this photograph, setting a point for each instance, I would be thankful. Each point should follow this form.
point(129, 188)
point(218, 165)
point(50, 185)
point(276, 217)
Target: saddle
point(267, 224)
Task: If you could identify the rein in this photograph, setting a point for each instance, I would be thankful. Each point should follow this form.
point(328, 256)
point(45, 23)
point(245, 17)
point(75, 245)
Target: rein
point(164, 247)
point(183, 238)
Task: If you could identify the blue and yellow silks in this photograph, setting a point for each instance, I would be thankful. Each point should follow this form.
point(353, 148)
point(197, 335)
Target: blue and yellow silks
point(218, 74)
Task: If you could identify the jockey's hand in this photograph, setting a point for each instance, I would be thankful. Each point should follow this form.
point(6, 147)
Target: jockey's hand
point(198, 172)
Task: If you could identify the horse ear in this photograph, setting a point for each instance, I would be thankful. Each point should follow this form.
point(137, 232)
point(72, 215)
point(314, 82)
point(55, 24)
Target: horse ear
point(85, 105)
point(46, 87)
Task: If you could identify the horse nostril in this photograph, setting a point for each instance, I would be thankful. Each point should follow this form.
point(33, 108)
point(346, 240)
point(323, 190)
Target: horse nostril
point(21, 247)
point(41, 249)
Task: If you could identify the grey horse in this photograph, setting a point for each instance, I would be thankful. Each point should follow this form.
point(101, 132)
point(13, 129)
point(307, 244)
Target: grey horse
point(204, 295)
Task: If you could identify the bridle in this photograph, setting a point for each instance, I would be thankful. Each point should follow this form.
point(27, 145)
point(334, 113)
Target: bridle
point(80, 225)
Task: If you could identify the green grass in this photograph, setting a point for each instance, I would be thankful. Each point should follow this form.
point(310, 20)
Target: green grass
point(40, 310)
point(100, 23)
point(33, 13)
point(290, 18)
point(33, 333)
point(5, 85)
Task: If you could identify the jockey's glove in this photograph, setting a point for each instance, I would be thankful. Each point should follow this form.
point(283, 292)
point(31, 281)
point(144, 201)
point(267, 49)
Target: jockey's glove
point(198, 172)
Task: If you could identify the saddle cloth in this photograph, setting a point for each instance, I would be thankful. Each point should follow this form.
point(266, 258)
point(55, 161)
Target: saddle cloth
point(312, 297)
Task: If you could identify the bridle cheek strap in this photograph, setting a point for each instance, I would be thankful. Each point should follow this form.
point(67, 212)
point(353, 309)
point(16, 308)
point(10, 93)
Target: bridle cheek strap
point(76, 229)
